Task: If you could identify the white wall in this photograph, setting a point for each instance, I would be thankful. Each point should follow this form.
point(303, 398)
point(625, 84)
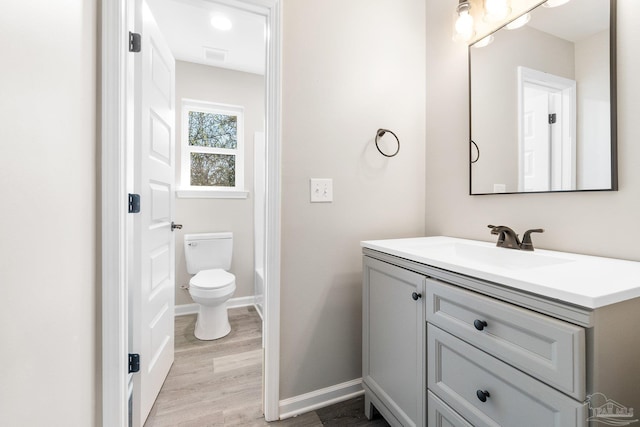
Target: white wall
point(212, 84)
point(349, 68)
point(600, 223)
point(49, 362)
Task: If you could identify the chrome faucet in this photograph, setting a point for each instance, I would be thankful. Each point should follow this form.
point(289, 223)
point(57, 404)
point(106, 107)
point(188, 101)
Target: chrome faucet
point(507, 238)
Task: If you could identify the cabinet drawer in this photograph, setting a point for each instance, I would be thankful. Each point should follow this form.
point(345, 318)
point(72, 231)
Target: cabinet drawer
point(548, 349)
point(457, 371)
point(441, 415)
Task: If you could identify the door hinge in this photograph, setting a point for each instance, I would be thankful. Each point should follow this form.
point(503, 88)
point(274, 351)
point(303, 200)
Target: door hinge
point(135, 42)
point(552, 118)
point(134, 203)
point(134, 362)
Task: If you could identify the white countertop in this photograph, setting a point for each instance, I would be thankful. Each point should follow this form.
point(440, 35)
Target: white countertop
point(583, 280)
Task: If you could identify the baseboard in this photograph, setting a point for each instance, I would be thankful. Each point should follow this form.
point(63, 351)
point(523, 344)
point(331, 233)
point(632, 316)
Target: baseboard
point(320, 398)
point(241, 302)
point(259, 310)
point(186, 309)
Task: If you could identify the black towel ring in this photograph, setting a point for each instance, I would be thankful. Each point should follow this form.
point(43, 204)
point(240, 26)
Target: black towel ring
point(379, 134)
point(477, 150)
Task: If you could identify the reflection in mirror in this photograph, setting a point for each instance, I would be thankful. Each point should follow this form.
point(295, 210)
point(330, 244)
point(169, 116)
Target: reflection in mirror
point(543, 102)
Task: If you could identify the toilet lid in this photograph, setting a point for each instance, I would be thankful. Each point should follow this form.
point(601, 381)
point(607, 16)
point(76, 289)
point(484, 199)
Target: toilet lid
point(211, 279)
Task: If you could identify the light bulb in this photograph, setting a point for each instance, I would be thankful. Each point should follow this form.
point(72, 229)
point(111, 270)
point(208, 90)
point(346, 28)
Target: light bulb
point(464, 26)
point(518, 22)
point(496, 10)
point(484, 42)
point(220, 22)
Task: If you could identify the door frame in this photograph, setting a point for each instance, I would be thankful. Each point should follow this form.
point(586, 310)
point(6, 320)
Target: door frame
point(566, 165)
point(116, 109)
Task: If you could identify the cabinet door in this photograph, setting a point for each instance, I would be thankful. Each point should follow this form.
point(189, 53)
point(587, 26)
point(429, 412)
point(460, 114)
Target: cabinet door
point(393, 341)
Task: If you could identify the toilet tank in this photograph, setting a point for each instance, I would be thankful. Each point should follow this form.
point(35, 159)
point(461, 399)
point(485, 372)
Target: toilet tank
point(206, 251)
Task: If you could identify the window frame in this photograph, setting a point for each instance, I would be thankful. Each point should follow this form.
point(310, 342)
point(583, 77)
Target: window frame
point(188, 190)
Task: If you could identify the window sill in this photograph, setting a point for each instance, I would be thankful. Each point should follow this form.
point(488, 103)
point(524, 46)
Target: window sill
point(189, 193)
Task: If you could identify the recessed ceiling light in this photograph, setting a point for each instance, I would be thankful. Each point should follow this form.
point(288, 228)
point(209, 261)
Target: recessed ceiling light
point(221, 22)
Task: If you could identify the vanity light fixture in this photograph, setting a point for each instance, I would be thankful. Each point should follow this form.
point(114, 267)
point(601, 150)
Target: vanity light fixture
point(464, 30)
point(496, 10)
point(221, 22)
point(555, 3)
point(484, 42)
point(519, 22)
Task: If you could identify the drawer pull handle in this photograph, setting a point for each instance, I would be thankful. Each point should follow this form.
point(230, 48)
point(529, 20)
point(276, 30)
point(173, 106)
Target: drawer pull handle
point(479, 324)
point(415, 296)
point(482, 395)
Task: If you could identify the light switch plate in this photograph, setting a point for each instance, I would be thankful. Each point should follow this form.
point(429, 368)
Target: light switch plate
point(321, 190)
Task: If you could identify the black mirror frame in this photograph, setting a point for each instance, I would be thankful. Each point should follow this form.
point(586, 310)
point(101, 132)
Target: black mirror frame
point(613, 112)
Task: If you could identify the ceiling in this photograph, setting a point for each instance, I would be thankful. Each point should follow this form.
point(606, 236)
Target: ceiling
point(186, 27)
point(573, 21)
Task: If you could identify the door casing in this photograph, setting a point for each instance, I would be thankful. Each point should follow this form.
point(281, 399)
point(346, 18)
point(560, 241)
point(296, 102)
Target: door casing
point(116, 144)
point(564, 169)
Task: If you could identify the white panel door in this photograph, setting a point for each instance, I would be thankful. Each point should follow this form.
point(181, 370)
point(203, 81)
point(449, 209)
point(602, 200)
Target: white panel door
point(154, 246)
point(536, 168)
point(546, 152)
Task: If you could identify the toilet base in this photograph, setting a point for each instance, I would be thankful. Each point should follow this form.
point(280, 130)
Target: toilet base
point(212, 322)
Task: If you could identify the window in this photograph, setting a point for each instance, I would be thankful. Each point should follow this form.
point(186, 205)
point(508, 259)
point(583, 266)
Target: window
point(212, 146)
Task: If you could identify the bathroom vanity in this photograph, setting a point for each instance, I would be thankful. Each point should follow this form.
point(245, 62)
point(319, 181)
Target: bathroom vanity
point(462, 333)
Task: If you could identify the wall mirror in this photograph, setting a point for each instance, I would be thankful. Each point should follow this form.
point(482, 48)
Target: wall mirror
point(543, 102)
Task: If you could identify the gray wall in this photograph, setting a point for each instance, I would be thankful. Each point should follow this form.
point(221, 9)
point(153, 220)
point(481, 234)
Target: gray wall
point(49, 327)
point(598, 223)
point(593, 126)
point(349, 69)
point(212, 84)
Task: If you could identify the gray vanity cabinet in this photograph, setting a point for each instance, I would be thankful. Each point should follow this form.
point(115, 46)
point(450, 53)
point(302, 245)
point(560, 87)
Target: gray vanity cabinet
point(393, 343)
point(469, 352)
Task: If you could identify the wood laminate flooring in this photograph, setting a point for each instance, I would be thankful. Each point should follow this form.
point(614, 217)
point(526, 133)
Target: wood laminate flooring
point(219, 383)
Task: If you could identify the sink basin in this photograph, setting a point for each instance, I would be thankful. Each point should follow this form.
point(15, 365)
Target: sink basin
point(583, 280)
point(492, 256)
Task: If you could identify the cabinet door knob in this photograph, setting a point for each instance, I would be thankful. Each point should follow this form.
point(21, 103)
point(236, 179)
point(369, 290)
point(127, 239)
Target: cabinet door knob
point(415, 296)
point(482, 395)
point(479, 324)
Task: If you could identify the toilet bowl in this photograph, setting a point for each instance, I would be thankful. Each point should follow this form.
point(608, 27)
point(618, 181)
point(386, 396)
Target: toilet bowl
point(211, 289)
point(208, 256)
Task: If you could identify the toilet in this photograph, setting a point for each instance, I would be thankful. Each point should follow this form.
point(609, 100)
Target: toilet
point(208, 256)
